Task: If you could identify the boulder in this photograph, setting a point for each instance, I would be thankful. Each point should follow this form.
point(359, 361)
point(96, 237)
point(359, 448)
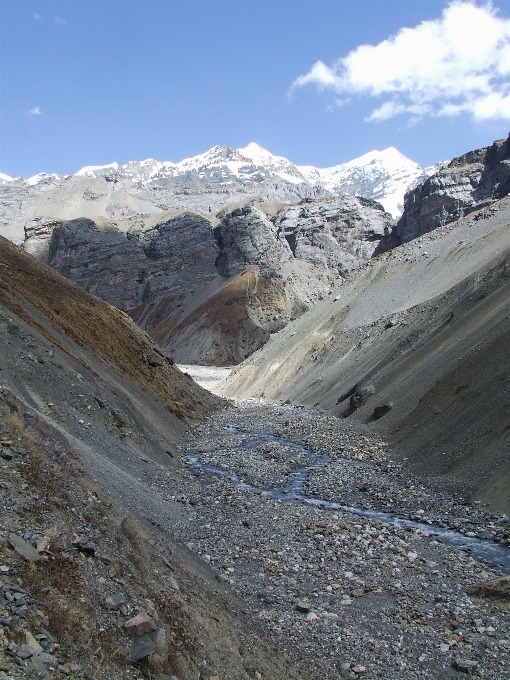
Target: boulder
point(141, 648)
point(140, 624)
point(24, 548)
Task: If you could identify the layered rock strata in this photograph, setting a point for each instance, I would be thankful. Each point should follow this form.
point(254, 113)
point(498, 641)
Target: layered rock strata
point(214, 295)
point(467, 183)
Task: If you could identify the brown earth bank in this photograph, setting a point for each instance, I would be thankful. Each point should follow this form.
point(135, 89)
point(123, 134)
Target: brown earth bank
point(93, 582)
point(415, 345)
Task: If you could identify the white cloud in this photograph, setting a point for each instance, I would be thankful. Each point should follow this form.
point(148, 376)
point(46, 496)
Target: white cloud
point(59, 20)
point(458, 63)
point(37, 16)
point(35, 111)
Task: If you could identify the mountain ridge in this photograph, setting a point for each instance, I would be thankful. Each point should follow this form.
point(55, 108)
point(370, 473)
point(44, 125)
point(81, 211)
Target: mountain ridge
point(205, 183)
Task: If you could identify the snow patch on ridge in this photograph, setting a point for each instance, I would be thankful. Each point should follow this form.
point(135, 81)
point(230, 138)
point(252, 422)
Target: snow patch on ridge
point(384, 176)
point(97, 170)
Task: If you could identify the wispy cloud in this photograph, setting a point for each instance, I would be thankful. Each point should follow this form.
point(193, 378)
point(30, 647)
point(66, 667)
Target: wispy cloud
point(457, 63)
point(35, 111)
point(59, 20)
point(37, 16)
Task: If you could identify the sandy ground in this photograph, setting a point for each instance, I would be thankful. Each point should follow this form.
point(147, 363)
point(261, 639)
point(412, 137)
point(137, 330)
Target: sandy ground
point(210, 377)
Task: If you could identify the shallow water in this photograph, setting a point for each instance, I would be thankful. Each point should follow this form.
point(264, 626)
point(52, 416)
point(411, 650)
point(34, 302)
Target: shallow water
point(293, 492)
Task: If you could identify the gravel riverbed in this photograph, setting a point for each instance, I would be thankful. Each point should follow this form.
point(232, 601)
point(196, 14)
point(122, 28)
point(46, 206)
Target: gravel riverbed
point(343, 594)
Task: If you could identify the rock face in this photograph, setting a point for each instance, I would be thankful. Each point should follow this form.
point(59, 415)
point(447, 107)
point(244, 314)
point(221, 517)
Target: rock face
point(246, 237)
point(467, 183)
point(335, 235)
point(127, 269)
point(214, 295)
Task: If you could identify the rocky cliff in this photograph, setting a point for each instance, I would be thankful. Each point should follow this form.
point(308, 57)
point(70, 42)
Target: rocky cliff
point(215, 294)
point(465, 184)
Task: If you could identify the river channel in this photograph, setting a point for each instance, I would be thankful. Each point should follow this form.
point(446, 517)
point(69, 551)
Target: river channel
point(294, 491)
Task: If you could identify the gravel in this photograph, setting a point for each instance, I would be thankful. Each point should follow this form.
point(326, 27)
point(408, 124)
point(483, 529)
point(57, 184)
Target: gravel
point(345, 595)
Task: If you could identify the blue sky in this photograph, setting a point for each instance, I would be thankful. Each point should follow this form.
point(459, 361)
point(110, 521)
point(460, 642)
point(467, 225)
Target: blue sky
point(88, 82)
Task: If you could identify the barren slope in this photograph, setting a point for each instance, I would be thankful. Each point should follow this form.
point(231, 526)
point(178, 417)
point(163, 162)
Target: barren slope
point(428, 326)
point(91, 397)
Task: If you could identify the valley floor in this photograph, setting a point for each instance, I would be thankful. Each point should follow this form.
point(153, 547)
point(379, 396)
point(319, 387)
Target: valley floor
point(343, 594)
point(209, 377)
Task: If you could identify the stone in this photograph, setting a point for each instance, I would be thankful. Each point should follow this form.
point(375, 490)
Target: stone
point(115, 601)
point(160, 641)
point(465, 665)
point(85, 545)
point(48, 659)
point(24, 548)
point(140, 624)
point(359, 670)
point(32, 642)
point(141, 648)
point(25, 652)
point(37, 668)
point(303, 606)
point(380, 411)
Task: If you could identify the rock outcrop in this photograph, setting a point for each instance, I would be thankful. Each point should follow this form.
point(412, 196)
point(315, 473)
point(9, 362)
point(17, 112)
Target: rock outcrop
point(334, 235)
point(214, 295)
point(465, 184)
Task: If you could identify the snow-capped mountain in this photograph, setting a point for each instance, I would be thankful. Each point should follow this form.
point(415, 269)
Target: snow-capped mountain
point(381, 175)
point(207, 184)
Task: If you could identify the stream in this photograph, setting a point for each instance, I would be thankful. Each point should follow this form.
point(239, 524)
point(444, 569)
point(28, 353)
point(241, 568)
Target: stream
point(294, 492)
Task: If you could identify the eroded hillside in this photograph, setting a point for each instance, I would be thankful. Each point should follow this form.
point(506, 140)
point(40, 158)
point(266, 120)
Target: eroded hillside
point(93, 582)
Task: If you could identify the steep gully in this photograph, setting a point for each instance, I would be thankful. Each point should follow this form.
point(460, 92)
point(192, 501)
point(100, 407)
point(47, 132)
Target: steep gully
point(294, 491)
